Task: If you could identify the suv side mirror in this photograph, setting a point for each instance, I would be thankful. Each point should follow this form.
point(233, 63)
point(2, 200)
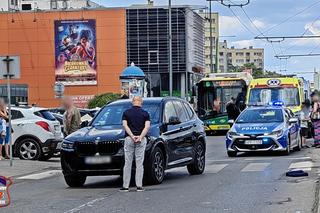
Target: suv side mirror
point(293, 120)
point(174, 121)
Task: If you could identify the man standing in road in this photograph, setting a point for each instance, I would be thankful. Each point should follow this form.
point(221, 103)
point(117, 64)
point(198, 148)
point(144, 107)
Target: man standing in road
point(136, 123)
point(71, 117)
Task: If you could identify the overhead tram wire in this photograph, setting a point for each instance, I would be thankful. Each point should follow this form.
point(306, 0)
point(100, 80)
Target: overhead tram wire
point(290, 17)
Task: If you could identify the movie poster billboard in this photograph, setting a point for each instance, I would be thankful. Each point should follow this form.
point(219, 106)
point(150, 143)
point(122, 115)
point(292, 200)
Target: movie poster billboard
point(75, 52)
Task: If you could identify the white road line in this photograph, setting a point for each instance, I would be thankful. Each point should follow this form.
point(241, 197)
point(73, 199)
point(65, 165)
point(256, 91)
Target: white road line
point(299, 158)
point(220, 160)
point(41, 175)
point(304, 165)
point(215, 168)
point(257, 159)
point(255, 167)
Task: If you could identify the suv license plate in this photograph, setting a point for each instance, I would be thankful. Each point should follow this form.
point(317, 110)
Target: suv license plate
point(97, 160)
point(253, 142)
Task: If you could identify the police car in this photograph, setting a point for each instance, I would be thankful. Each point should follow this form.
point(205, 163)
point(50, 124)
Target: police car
point(264, 128)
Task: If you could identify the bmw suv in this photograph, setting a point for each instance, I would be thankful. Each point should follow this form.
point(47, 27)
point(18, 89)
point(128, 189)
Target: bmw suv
point(176, 138)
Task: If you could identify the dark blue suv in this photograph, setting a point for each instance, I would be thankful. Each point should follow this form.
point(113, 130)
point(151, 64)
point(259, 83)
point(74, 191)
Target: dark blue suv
point(176, 138)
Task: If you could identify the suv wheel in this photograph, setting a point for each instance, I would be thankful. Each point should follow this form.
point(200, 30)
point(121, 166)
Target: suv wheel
point(75, 180)
point(155, 169)
point(28, 149)
point(199, 161)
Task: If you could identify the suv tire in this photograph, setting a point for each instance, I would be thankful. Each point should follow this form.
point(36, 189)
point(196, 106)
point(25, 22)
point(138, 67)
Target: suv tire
point(28, 149)
point(75, 180)
point(199, 162)
point(156, 167)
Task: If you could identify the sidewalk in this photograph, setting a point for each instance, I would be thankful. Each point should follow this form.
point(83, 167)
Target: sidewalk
point(24, 167)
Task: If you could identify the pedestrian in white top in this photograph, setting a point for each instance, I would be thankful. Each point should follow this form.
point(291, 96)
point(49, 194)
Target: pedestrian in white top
point(305, 119)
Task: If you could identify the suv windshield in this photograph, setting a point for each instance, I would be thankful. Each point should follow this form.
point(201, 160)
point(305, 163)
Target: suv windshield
point(112, 115)
point(261, 116)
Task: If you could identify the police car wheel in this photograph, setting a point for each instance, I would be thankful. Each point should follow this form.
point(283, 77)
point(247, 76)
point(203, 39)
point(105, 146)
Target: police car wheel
point(299, 146)
point(75, 180)
point(232, 154)
point(287, 151)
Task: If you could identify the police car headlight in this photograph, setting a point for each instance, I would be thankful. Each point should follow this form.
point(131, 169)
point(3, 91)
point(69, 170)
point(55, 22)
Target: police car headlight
point(232, 134)
point(278, 133)
point(67, 145)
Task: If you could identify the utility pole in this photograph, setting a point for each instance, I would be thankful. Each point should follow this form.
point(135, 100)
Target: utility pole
point(170, 51)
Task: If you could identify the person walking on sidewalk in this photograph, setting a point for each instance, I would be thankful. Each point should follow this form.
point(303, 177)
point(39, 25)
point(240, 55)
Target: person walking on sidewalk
point(5, 136)
point(305, 118)
point(71, 117)
point(315, 116)
point(136, 123)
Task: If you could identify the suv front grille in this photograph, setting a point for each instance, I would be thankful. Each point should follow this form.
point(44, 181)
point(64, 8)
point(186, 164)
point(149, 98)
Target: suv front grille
point(103, 148)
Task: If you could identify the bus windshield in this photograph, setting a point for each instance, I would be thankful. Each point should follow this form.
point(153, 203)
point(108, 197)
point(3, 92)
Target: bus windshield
point(262, 96)
point(213, 100)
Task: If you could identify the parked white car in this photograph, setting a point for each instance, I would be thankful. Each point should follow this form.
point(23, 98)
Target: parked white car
point(36, 133)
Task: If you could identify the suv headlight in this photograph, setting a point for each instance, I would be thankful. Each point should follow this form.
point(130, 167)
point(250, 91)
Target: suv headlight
point(67, 145)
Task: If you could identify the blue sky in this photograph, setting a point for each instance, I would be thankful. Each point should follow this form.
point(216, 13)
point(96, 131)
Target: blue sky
point(265, 14)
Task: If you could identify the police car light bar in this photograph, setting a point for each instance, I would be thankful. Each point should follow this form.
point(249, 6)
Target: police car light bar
point(276, 103)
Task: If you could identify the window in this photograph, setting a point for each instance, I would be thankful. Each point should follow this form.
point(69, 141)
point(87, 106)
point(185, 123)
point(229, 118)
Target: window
point(45, 114)
point(182, 114)
point(153, 57)
point(26, 7)
point(169, 111)
point(54, 4)
point(15, 114)
point(189, 110)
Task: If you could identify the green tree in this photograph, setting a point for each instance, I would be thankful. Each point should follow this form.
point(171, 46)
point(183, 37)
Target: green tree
point(103, 99)
point(256, 72)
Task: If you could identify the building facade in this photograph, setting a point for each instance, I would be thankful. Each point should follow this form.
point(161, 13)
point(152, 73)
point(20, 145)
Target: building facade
point(118, 37)
point(27, 5)
point(230, 58)
point(215, 39)
point(148, 47)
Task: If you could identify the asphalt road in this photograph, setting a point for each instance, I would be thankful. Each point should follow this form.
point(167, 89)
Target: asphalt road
point(249, 183)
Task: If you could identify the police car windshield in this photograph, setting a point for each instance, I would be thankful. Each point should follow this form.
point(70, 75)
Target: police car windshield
point(261, 116)
point(112, 115)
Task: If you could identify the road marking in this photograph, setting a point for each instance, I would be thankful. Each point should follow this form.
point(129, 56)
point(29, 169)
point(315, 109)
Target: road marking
point(41, 175)
point(257, 159)
point(220, 160)
point(304, 165)
point(255, 167)
point(88, 204)
point(215, 168)
point(299, 158)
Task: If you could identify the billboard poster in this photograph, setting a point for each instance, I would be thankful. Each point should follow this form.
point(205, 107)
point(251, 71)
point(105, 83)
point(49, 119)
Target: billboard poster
point(75, 52)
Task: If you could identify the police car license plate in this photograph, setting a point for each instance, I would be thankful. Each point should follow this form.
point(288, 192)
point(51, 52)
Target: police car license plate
point(253, 142)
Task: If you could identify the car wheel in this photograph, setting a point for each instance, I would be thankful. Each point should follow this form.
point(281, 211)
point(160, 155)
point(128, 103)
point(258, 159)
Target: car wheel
point(28, 149)
point(155, 169)
point(232, 154)
point(287, 151)
point(47, 156)
point(75, 180)
point(199, 161)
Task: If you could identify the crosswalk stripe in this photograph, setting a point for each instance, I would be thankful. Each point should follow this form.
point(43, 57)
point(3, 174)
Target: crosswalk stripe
point(215, 168)
point(255, 167)
point(304, 165)
point(41, 175)
point(257, 159)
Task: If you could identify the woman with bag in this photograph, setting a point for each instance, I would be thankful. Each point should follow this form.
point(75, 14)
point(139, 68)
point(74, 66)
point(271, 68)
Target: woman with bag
point(315, 116)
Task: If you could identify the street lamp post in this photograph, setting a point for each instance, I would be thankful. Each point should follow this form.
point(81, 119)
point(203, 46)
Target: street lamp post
point(170, 51)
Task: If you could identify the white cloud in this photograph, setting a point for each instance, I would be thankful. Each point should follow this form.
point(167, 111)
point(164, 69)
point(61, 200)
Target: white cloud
point(314, 29)
point(229, 25)
point(258, 24)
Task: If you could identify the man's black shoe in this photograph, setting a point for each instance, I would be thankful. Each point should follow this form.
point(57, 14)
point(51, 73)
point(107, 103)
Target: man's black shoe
point(140, 189)
point(124, 189)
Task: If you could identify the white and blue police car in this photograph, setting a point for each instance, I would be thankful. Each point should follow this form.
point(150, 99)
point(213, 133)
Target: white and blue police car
point(264, 128)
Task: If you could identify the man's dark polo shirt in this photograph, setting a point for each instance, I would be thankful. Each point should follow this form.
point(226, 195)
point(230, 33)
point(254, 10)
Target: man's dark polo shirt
point(136, 118)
